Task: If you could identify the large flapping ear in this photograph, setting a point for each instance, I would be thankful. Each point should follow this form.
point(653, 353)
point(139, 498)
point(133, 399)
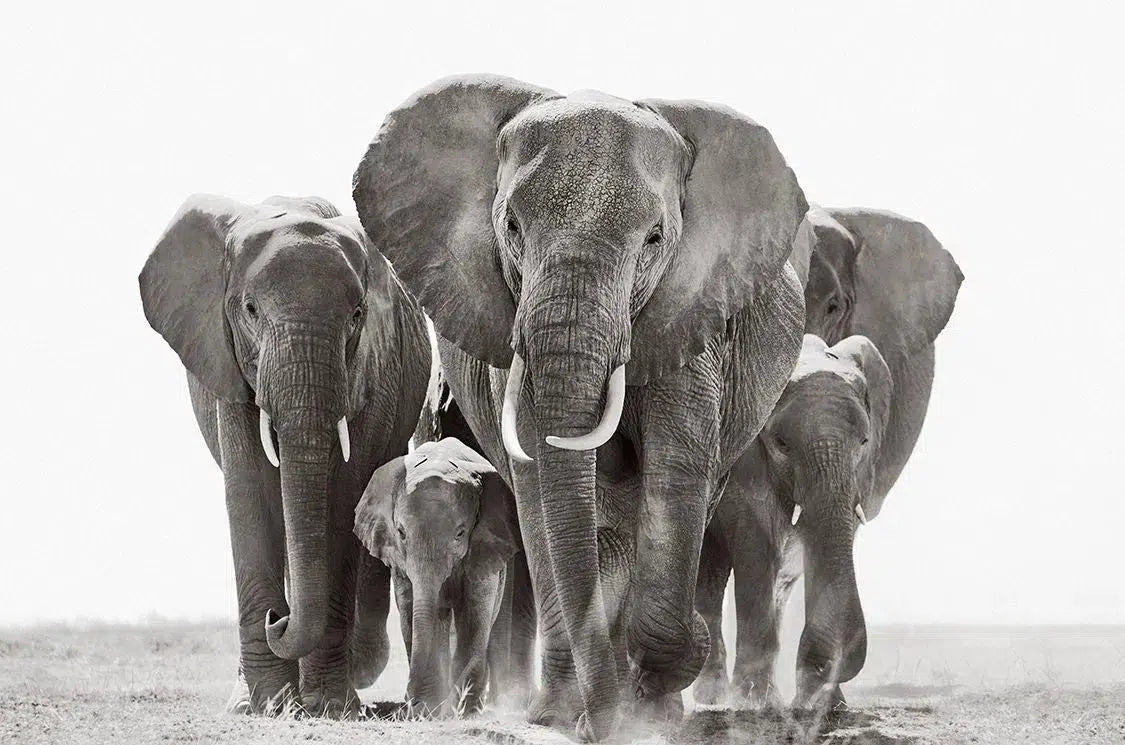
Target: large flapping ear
point(741, 209)
point(496, 536)
point(424, 192)
point(374, 515)
point(863, 353)
point(183, 285)
point(905, 282)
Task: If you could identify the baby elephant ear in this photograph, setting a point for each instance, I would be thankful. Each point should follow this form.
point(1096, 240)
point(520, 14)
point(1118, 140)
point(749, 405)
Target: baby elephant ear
point(741, 208)
point(183, 288)
point(863, 353)
point(905, 282)
point(424, 192)
point(496, 536)
point(374, 515)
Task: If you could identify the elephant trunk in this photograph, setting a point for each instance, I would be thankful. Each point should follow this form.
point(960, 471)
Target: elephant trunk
point(425, 686)
point(833, 646)
point(575, 335)
point(306, 398)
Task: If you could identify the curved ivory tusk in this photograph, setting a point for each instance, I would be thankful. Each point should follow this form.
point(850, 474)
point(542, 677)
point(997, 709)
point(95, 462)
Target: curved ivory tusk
point(611, 417)
point(264, 429)
point(345, 440)
point(512, 390)
point(796, 514)
point(860, 514)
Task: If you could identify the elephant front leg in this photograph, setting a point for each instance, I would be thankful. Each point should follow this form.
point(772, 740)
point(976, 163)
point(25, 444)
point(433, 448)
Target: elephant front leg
point(758, 608)
point(326, 689)
point(667, 639)
point(473, 620)
point(714, 571)
point(266, 683)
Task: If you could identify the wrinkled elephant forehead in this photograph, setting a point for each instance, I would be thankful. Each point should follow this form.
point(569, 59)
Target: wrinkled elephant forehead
point(588, 119)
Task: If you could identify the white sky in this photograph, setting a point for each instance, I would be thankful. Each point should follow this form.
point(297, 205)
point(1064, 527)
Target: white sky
point(999, 128)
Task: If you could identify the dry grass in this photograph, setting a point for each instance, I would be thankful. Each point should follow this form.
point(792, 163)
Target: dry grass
point(166, 683)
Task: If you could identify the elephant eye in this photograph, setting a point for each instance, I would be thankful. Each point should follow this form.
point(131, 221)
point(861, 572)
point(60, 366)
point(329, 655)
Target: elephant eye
point(460, 534)
point(513, 226)
point(832, 308)
point(402, 533)
point(864, 441)
point(357, 314)
point(655, 236)
point(251, 309)
point(782, 445)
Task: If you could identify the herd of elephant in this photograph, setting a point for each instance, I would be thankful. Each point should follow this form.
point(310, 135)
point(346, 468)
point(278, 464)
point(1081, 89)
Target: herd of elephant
point(658, 365)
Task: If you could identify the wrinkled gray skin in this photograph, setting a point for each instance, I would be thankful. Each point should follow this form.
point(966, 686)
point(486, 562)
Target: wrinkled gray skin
point(872, 273)
point(446, 525)
point(286, 308)
point(584, 233)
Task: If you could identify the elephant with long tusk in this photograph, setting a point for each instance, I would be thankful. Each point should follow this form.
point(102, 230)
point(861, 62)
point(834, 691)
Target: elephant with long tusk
point(609, 285)
point(307, 365)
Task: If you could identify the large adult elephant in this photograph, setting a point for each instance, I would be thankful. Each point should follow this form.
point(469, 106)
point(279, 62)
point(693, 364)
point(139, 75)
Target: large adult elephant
point(609, 282)
point(307, 364)
point(884, 277)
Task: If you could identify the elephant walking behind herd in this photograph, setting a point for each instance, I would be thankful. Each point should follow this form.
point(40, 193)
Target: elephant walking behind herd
point(619, 291)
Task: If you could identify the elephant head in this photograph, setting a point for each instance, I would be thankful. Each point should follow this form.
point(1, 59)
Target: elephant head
point(589, 241)
point(437, 514)
point(821, 446)
point(268, 304)
point(886, 277)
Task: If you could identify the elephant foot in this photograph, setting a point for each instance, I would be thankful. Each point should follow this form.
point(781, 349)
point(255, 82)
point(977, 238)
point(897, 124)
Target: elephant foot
point(673, 676)
point(757, 693)
point(825, 701)
point(711, 687)
point(555, 705)
point(318, 704)
point(273, 693)
point(660, 710)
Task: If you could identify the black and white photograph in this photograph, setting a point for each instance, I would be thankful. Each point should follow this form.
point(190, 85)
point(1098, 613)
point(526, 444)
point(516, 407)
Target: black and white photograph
point(512, 373)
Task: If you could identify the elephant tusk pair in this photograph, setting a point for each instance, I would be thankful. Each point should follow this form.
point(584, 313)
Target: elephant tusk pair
point(611, 417)
point(265, 431)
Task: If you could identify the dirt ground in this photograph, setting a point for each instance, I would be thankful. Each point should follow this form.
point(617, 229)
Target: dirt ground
point(166, 683)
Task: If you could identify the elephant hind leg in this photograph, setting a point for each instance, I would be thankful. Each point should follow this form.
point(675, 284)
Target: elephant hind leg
point(714, 571)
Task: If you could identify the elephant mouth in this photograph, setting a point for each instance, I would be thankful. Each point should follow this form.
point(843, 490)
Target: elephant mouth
point(268, 435)
point(592, 440)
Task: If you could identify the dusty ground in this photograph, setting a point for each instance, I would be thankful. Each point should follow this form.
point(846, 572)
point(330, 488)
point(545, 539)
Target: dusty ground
point(166, 683)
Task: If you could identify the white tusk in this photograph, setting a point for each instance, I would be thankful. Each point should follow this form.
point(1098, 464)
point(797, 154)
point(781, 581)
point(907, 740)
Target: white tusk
point(264, 429)
point(345, 440)
point(859, 513)
point(611, 417)
point(512, 390)
point(796, 514)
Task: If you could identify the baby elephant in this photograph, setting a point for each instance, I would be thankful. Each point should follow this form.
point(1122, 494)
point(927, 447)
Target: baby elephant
point(441, 518)
point(793, 504)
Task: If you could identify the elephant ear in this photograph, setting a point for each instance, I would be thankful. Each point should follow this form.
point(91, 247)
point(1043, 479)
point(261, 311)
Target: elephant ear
point(424, 192)
point(496, 536)
point(183, 285)
point(374, 515)
point(862, 352)
point(905, 282)
point(318, 206)
point(741, 209)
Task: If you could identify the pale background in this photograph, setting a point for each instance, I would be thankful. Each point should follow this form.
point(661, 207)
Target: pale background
point(999, 127)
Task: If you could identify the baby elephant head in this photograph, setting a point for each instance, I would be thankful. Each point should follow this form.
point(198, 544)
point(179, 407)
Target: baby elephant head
point(821, 444)
point(437, 515)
